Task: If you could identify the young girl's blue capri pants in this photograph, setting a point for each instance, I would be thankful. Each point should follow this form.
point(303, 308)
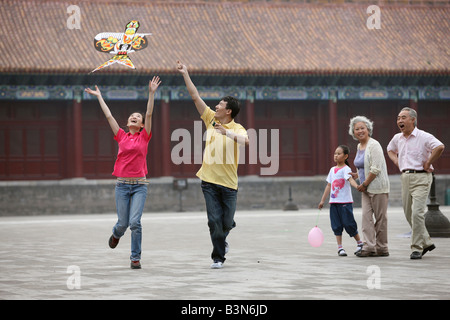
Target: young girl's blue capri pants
point(341, 217)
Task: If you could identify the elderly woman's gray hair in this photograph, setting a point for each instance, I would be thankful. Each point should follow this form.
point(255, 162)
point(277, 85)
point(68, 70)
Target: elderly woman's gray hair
point(355, 120)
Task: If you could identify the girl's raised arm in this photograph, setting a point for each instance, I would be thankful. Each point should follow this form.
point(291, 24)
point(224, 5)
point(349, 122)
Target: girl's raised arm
point(152, 86)
point(112, 122)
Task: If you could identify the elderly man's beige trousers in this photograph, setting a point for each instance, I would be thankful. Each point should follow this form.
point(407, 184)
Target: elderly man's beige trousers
point(415, 190)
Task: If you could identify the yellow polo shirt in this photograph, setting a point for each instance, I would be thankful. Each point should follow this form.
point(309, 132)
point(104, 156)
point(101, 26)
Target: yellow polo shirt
point(221, 155)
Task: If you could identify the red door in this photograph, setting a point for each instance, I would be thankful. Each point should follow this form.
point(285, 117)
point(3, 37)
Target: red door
point(31, 140)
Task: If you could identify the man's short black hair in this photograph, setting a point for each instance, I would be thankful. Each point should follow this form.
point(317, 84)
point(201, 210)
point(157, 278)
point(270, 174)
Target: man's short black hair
point(233, 104)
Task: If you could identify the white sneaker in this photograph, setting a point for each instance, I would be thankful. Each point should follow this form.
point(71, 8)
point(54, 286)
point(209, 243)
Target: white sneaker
point(342, 253)
point(217, 265)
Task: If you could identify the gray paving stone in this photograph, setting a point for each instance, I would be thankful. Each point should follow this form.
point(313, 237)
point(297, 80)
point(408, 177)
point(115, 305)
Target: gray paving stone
point(269, 258)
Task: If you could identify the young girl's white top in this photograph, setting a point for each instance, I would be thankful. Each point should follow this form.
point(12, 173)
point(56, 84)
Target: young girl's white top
point(341, 191)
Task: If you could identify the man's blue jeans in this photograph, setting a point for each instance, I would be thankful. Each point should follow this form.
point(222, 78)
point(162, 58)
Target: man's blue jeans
point(220, 206)
point(130, 200)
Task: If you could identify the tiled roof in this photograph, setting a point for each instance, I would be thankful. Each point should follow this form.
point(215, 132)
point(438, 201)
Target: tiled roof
point(229, 37)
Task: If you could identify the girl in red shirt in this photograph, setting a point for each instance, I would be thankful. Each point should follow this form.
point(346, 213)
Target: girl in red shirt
point(131, 170)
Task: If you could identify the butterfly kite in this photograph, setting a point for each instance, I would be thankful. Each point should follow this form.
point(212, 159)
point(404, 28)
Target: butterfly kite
point(121, 44)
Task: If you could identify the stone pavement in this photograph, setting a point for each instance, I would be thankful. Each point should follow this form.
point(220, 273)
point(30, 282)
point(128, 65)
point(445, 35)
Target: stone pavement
point(67, 257)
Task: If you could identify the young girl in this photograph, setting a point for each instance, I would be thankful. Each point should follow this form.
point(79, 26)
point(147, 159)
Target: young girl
point(130, 169)
point(341, 209)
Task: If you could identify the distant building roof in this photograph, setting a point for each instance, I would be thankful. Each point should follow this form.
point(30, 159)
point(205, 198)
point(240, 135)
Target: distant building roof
point(263, 38)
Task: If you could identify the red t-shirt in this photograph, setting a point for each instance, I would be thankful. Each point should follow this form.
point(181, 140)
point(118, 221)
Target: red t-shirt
point(131, 160)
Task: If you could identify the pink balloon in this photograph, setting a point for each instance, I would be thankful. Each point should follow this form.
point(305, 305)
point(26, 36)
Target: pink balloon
point(315, 237)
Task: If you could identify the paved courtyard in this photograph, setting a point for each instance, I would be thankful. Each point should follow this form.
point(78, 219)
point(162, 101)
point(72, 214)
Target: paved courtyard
point(67, 257)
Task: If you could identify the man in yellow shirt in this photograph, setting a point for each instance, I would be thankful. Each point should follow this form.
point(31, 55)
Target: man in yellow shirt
point(220, 163)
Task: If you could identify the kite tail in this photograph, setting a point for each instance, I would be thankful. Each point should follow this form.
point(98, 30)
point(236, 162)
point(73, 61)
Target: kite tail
point(118, 58)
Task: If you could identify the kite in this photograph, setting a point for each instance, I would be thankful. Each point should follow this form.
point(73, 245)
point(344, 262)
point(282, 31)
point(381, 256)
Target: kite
point(121, 44)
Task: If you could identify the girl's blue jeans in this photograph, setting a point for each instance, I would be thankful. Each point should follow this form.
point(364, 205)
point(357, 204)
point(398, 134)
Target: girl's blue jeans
point(341, 217)
point(130, 200)
point(220, 206)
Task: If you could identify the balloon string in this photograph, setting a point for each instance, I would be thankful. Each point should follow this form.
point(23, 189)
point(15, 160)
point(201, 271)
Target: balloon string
point(317, 220)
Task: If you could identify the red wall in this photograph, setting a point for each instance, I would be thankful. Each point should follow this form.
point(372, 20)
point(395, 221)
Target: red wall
point(37, 137)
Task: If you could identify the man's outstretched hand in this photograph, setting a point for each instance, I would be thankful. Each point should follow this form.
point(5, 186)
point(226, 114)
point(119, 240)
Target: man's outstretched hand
point(181, 67)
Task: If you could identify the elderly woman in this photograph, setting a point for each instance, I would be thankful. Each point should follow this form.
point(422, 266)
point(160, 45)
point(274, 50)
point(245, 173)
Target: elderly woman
point(374, 187)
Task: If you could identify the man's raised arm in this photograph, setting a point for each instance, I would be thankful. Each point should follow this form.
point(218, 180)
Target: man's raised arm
point(199, 103)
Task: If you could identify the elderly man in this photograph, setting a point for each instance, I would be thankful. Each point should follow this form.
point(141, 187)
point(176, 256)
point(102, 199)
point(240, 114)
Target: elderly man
point(413, 151)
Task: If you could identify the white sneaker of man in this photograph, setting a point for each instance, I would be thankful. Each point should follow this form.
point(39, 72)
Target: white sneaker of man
point(217, 265)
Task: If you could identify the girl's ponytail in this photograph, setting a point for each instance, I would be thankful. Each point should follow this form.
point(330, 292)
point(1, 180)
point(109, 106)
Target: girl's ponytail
point(346, 151)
